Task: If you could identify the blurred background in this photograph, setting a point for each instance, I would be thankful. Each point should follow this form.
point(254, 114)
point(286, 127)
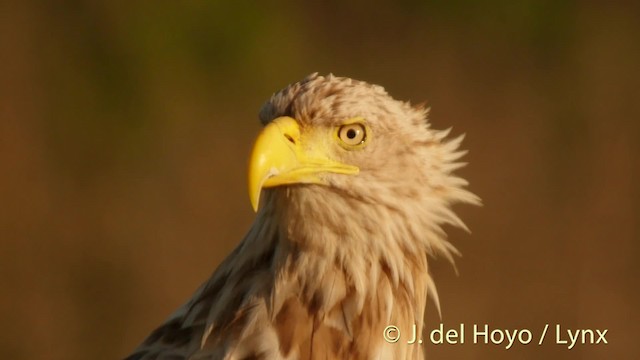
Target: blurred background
point(125, 129)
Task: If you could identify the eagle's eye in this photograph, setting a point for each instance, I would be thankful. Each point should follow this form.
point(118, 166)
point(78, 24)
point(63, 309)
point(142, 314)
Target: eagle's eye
point(352, 134)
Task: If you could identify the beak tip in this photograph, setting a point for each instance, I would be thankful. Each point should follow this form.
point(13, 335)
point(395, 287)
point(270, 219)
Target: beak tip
point(254, 198)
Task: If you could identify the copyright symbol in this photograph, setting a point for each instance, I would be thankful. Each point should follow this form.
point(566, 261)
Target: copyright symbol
point(391, 334)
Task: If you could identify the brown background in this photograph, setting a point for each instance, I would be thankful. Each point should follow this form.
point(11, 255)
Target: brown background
point(125, 130)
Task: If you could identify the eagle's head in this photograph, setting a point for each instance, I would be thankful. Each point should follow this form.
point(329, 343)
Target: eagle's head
point(348, 169)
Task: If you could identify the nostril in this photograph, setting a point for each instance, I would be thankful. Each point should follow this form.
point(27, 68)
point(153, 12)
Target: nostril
point(290, 138)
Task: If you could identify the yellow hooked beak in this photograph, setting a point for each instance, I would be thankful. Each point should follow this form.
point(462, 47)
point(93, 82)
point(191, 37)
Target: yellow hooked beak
point(281, 157)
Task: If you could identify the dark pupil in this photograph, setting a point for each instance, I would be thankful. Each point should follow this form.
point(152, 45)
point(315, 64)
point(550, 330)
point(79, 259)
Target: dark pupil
point(351, 133)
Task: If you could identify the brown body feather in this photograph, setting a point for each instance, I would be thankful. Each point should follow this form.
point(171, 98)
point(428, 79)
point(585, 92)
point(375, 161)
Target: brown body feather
point(324, 269)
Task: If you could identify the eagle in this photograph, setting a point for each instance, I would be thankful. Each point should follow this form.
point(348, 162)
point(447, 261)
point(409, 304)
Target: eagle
point(352, 189)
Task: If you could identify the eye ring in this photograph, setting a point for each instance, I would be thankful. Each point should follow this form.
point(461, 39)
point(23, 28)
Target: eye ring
point(352, 134)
